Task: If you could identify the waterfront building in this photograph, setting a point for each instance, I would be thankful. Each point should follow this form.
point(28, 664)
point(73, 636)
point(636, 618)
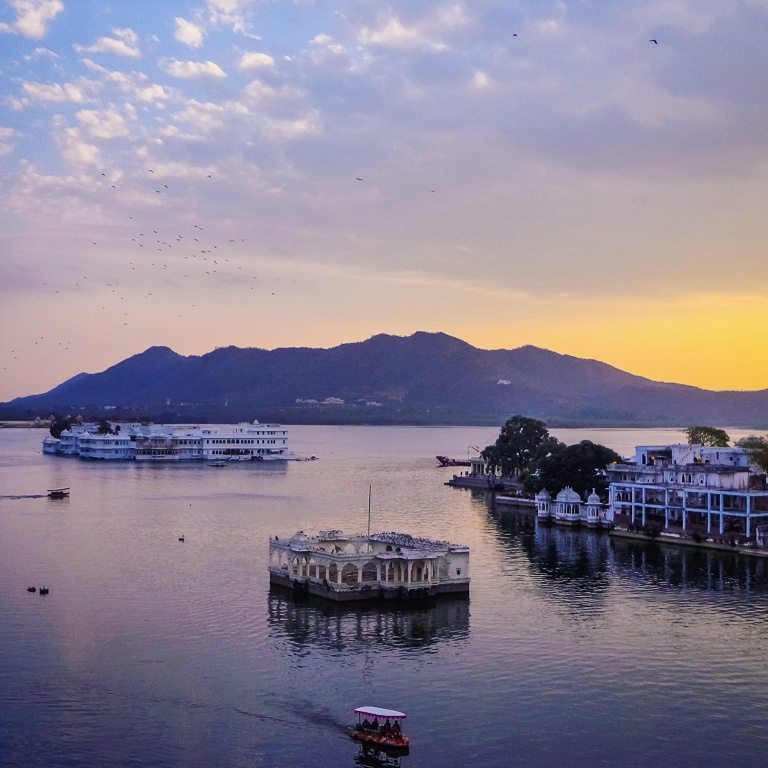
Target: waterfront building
point(94, 445)
point(689, 491)
point(174, 442)
point(363, 567)
point(568, 508)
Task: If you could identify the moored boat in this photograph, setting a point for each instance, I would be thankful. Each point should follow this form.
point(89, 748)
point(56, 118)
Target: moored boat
point(381, 727)
point(447, 461)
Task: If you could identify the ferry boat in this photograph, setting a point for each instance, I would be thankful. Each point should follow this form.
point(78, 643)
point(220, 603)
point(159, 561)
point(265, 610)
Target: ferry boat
point(381, 727)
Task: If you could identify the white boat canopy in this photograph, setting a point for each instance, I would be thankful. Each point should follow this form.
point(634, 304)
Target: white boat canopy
point(392, 714)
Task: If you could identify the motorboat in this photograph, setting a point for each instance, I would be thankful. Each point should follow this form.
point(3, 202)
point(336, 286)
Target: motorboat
point(382, 728)
point(447, 461)
point(58, 493)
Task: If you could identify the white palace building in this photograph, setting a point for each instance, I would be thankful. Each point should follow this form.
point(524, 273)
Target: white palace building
point(174, 442)
point(687, 489)
point(697, 492)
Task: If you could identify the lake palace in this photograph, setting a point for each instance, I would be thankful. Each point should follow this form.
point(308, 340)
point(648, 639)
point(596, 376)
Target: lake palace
point(174, 442)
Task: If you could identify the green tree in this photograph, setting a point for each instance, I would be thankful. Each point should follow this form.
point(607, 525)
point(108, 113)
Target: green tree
point(580, 466)
point(104, 428)
point(716, 438)
point(519, 442)
point(58, 426)
point(756, 448)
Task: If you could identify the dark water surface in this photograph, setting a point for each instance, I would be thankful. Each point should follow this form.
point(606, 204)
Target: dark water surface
point(573, 650)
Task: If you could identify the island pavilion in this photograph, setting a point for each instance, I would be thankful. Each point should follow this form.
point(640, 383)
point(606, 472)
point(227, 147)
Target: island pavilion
point(386, 566)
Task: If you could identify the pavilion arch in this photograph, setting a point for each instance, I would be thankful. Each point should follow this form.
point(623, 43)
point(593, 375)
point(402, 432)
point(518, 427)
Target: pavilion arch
point(370, 571)
point(349, 574)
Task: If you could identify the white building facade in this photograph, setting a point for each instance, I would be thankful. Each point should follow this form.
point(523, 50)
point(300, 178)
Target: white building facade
point(687, 490)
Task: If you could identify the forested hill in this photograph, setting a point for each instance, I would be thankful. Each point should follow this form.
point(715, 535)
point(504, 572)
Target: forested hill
point(426, 378)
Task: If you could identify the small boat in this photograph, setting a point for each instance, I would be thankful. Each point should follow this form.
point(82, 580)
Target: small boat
point(446, 461)
point(31, 589)
point(44, 590)
point(58, 493)
point(218, 463)
point(381, 727)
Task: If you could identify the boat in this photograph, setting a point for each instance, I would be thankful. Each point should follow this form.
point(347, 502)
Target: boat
point(58, 493)
point(218, 463)
point(446, 461)
point(381, 727)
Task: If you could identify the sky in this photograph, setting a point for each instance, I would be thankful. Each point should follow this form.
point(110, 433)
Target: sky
point(584, 176)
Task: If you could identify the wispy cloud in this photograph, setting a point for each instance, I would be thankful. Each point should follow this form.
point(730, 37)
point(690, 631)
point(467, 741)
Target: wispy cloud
point(192, 70)
point(32, 17)
point(124, 43)
point(189, 33)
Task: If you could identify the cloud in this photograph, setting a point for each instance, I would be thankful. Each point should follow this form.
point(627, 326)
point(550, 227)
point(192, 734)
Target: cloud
point(255, 60)
point(75, 93)
point(391, 32)
point(107, 124)
point(191, 70)
point(124, 43)
point(188, 33)
point(33, 16)
point(40, 53)
point(261, 92)
point(231, 13)
point(6, 145)
point(75, 150)
point(282, 130)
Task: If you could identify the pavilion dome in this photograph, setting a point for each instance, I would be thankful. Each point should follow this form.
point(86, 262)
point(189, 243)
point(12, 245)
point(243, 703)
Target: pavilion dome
point(568, 495)
point(593, 498)
point(543, 495)
point(299, 540)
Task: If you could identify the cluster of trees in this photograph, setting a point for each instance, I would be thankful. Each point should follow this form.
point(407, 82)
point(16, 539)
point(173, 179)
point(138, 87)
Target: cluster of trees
point(60, 424)
point(525, 450)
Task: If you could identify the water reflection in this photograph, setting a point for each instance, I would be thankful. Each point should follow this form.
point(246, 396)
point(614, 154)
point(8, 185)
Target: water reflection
point(689, 568)
point(588, 560)
point(352, 629)
point(377, 757)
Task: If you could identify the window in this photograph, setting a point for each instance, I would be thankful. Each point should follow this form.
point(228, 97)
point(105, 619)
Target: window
point(458, 571)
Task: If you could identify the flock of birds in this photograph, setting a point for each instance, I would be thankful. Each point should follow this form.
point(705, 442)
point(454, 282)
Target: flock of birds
point(189, 255)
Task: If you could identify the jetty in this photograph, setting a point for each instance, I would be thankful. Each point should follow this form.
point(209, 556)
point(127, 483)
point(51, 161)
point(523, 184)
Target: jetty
point(377, 566)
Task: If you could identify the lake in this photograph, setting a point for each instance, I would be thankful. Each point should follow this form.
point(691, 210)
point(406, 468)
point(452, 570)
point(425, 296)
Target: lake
point(573, 649)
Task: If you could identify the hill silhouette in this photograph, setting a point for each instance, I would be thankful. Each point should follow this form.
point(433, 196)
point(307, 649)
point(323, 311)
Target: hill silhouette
point(425, 378)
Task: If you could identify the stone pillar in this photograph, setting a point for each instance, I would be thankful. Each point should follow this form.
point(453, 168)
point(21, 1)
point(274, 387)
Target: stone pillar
point(338, 573)
point(722, 517)
point(410, 570)
point(749, 519)
point(643, 499)
point(359, 573)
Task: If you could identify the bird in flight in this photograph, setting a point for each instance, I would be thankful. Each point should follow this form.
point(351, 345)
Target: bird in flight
point(655, 42)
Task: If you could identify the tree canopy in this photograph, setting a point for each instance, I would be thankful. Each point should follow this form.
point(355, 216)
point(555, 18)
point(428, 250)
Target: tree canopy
point(520, 441)
point(711, 436)
point(58, 426)
point(757, 449)
point(580, 466)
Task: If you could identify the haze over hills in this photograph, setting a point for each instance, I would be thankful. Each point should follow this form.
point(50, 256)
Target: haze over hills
point(425, 378)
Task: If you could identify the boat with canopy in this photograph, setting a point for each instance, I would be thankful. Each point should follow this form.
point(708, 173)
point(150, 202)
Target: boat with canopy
point(381, 727)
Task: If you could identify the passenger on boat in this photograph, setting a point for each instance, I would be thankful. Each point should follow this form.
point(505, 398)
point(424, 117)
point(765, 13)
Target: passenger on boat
point(396, 730)
point(385, 729)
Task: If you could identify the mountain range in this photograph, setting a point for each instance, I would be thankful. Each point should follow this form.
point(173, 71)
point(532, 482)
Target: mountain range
point(425, 378)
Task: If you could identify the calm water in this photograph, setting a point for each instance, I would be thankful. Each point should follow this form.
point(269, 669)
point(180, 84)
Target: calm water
point(573, 650)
